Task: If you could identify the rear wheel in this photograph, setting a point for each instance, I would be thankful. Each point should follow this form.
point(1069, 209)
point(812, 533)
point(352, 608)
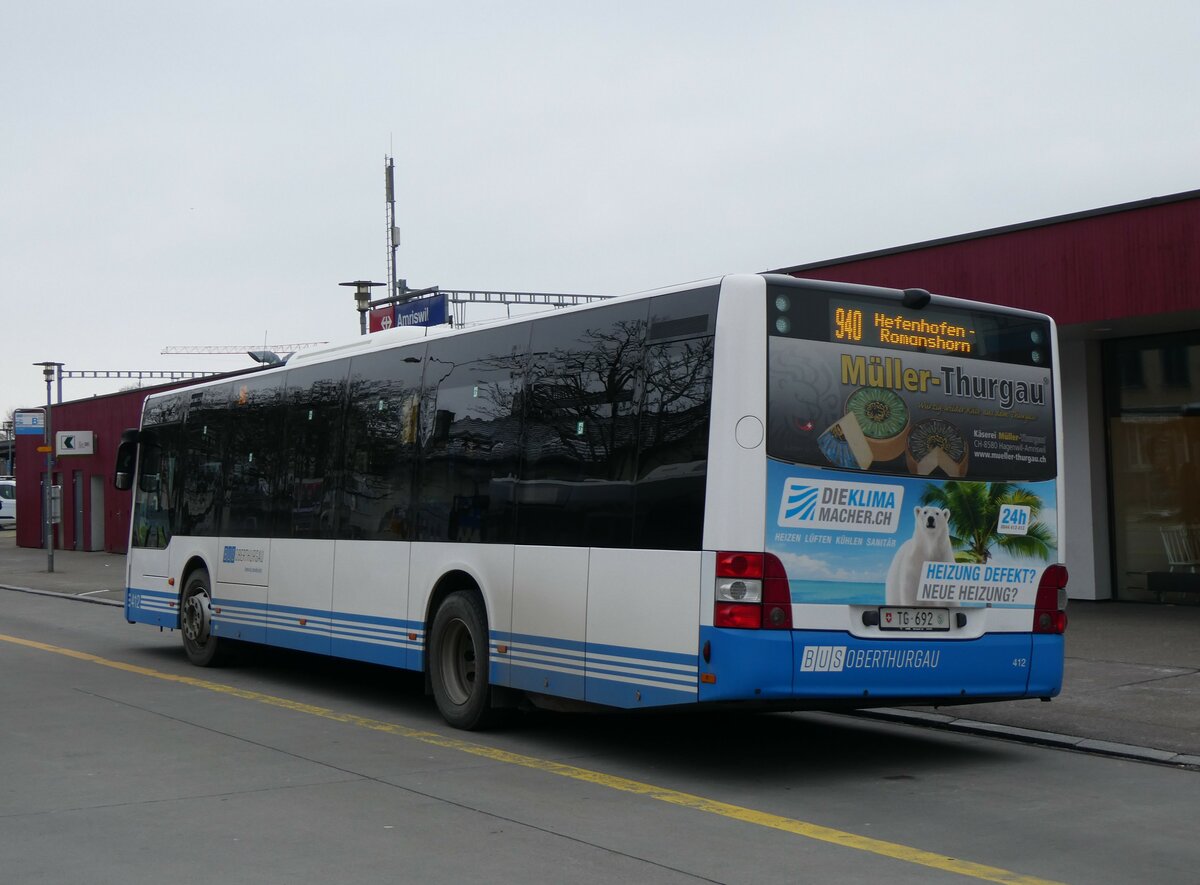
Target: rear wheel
point(458, 661)
point(195, 622)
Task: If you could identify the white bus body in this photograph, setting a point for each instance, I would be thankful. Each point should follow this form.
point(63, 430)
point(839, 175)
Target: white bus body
point(702, 494)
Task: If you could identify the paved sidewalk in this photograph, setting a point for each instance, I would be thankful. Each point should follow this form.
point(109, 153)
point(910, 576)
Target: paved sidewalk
point(1132, 685)
point(94, 576)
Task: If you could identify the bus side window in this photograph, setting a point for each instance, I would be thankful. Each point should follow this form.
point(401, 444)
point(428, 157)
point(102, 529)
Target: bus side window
point(580, 436)
point(148, 475)
point(672, 454)
point(380, 445)
point(314, 412)
point(201, 455)
point(470, 455)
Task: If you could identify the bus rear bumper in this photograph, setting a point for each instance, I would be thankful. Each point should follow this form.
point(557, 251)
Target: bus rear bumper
point(837, 667)
point(1046, 666)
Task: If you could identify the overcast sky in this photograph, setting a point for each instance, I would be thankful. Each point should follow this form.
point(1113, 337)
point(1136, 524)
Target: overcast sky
point(207, 173)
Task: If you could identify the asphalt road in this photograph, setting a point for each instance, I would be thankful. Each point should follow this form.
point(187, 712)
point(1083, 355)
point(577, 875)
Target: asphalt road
point(121, 763)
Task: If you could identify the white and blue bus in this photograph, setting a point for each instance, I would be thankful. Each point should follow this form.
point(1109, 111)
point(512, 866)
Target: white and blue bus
point(755, 489)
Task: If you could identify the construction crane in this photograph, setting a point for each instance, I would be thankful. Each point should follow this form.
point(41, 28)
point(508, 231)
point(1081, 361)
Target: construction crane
point(138, 375)
point(268, 354)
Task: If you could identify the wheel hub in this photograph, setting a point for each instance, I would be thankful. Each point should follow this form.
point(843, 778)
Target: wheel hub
point(458, 662)
point(195, 618)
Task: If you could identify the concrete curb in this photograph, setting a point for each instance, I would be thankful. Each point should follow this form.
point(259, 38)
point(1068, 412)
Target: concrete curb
point(73, 596)
point(1031, 736)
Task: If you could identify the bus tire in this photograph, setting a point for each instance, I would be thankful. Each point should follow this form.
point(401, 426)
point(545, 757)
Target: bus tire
point(458, 661)
point(195, 620)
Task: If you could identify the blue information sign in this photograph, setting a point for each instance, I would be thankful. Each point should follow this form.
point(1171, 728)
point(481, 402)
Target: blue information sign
point(30, 423)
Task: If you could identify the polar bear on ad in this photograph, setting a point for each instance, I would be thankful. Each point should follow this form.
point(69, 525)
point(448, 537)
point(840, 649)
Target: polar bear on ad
point(930, 543)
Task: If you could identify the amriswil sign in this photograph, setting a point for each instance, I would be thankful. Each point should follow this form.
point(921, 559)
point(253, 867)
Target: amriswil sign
point(422, 312)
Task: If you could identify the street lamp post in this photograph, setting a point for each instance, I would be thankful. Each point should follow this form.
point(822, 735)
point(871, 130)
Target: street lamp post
point(10, 436)
point(362, 300)
point(49, 370)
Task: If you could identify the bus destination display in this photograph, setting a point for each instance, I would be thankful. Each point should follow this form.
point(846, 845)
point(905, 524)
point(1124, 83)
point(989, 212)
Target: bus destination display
point(861, 383)
point(873, 325)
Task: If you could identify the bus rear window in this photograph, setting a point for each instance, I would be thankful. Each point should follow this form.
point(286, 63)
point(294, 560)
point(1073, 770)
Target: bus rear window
point(863, 383)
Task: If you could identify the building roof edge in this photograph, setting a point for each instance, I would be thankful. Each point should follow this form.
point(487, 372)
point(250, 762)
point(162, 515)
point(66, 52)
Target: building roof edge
point(995, 231)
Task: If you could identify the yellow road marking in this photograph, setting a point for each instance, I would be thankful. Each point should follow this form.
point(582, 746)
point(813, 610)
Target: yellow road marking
point(893, 850)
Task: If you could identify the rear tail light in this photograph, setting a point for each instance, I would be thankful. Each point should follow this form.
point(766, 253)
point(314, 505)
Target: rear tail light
point(738, 614)
point(752, 592)
point(1049, 615)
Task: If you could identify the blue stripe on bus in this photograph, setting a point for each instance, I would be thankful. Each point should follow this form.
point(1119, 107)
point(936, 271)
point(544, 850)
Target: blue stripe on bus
point(537, 679)
point(151, 607)
point(345, 634)
point(533, 657)
point(597, 648)
point(616, 675)
point(649, 654)
point(570, 644)
point(299, 639)
point(239, 620)
point(673, 678)
point(629, 696)
point(388, 654)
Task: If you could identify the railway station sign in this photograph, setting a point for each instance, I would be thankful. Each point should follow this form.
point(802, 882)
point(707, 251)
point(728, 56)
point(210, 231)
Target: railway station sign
point(382, 318)
point(428, 311)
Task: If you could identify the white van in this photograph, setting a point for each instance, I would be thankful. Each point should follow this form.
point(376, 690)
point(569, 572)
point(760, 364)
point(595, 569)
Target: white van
point(8, 504)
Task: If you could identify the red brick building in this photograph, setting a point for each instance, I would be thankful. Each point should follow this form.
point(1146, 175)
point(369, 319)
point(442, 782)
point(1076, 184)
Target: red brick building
point(95, 515)
point(1123, 284)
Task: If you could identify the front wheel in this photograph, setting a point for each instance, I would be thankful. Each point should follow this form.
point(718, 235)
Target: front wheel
point(458, 661)
point(195, 622)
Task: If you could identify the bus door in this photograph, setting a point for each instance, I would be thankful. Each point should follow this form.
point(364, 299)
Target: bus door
point(149, 596)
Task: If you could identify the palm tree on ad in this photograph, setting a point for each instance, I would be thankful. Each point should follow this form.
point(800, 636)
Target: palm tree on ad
point(975, 520)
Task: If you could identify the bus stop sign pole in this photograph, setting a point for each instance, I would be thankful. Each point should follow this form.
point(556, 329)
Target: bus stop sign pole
point(48, 370)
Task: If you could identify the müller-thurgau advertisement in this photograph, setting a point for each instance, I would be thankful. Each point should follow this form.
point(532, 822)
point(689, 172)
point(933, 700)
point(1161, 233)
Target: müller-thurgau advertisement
point(909, 478)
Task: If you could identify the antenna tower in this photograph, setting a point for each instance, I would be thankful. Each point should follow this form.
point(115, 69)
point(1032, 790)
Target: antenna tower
point(393, 231)
point(457, 299)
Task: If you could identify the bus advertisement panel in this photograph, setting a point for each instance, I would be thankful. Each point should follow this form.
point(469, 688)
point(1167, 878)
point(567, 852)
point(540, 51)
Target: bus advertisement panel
point(907, 477)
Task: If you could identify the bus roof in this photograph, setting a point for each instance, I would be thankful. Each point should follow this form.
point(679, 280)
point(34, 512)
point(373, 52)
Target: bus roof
point(401, 335)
